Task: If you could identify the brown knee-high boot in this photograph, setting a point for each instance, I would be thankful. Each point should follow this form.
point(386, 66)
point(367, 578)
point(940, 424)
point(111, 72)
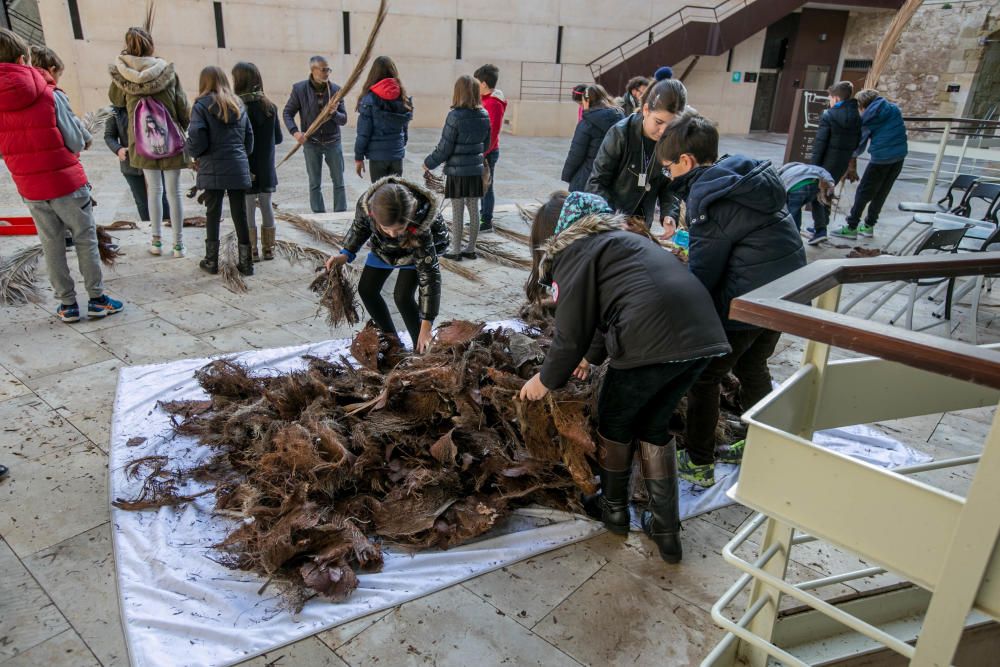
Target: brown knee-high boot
point(662, 519)
point(614, 460)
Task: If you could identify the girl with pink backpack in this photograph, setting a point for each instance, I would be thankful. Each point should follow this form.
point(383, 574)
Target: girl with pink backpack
point(158, 115)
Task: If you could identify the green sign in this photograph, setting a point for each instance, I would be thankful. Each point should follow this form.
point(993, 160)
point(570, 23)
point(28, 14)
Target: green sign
point(736, 77)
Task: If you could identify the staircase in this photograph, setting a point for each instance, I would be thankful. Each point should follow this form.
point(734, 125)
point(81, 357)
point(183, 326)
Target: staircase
point(696, 30)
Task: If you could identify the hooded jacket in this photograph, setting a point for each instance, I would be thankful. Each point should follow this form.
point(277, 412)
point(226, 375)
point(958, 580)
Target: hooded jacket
point(134, 77)
point(464, 139)
point(621, 295)
point(742, 236)
point(617, 168)
point(496, 106)
point(221, 148)
point(266, 134)
point(882, 125)
point(587, 140)
point(116, 138)
point(30, 140)
point(431, 234)
point(383, 121)
point(838, 135)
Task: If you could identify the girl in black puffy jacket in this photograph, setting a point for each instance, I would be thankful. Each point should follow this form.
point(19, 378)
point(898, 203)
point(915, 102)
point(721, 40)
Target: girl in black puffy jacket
point(220, 139)
point(464, 140)
point(599, 114)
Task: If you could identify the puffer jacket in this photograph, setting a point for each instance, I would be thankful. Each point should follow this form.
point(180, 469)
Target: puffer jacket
point(134, 77)
point(464, 140)
point(587, 140)
point(882, 124)
point(742, 236)
point(431, 234)
point(266, 134)
point(222, 149)
point(838, 135)
point(616, 170)
point(383, 120)
point(621, 295)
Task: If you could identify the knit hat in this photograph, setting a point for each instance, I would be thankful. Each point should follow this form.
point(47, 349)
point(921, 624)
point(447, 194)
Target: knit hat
point(579, 205)
point(663, 73)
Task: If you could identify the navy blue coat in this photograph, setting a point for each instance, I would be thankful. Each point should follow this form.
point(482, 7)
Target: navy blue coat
point(382, 129)
point(587, 140)
point(464, 138)
point(838, 135)
point(742, 236)
point(266, 133)
point(221, 149)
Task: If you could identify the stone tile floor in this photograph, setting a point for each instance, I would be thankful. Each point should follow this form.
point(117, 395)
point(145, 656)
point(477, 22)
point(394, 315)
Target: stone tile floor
point(603, 601)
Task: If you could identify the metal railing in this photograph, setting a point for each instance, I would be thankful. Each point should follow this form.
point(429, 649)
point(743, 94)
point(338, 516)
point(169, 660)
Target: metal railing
point(941, 543)
point(948, 156)
point(26, 27)
point(551, 82)
point(678, 19)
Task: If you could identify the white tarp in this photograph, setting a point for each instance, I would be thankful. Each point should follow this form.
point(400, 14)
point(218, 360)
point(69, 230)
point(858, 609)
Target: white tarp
point(180, 607)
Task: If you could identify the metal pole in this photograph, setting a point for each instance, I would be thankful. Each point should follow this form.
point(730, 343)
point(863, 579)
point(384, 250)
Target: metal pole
point(961, 157)
point(932, 179)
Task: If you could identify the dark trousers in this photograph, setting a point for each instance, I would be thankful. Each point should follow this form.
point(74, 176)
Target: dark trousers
point(486, 207)
point(137, 184)
point(382, 168)
point(405, 295)
point(808, 195)
point(748, 362)
point(637, 403)
point(872, 192)
point(237, 208)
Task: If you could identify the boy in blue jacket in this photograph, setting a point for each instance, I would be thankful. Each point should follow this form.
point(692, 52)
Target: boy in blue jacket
point(883, 133)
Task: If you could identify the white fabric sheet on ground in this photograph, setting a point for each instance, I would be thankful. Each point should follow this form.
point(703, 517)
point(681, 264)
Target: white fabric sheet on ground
point(180, 607)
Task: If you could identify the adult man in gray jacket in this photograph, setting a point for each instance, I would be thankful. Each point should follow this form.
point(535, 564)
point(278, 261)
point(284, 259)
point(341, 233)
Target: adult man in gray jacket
point(307, 100)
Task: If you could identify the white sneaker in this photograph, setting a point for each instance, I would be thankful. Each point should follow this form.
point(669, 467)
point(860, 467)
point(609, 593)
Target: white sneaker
point(178, 251)
point(156, 247)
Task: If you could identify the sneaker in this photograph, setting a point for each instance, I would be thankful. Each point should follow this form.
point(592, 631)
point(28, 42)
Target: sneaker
point(103, 306)
point(866, 231)
point(69, 313)
point(817, 237)
point(486, 227)
point(156, 247)
point(178, 251)
point(453, 256)
point(732, 453)
point(471, 254)
point(702, 475)
point(846, 232)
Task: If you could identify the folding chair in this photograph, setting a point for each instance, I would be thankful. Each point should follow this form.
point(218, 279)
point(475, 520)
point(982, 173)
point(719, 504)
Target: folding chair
point(962, 184)
point(986, 193)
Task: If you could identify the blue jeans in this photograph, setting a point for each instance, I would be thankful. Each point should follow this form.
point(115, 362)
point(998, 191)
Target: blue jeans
point(333, 154)
point(486, 209)
point(808, 195)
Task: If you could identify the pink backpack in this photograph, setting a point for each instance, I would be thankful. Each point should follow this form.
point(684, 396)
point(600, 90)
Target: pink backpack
point(156, 134)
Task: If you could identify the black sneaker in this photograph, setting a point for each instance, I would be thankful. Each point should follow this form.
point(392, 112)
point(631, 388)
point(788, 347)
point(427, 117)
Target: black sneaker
point(453, 256)
point(470, 255)
point(486, 226)
point(3, 471)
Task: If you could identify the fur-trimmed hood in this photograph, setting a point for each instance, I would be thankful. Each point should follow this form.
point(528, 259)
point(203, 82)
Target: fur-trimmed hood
point(585, 227)
point(427, 206)
point(142, 75)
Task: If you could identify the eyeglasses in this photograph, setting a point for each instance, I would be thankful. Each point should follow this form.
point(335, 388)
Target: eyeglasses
point(326, 70)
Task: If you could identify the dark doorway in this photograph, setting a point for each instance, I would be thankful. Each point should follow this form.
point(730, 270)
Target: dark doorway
point(763, 103)
point(776, 43)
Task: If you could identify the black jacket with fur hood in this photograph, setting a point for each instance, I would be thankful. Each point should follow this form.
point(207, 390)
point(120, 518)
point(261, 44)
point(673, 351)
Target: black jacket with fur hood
point(426, 237)
point(621, 295)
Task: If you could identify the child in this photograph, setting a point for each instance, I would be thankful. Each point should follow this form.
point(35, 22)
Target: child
point(464, 139)
point(263, 117)
point(741, 237)
point(139, 76)
point(384, 114)
point(808, 184)
point(838, 135)
point(882, 124)
point(495, 104)
point(49, 177)
point(635, 89)
point(577, 96)
point(599, 115)
point(617, 296)
point(116, 139)
point(625, 172)
point(220, 139)
point(407, 233)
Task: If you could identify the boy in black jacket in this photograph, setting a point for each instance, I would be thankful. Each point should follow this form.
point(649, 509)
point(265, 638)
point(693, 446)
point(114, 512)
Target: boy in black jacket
point(742, 237)
point(838, 135)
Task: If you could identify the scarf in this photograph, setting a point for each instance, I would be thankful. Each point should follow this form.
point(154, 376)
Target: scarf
point(579, 205)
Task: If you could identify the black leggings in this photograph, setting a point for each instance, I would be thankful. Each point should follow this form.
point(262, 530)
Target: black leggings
point(405, 296)
point(237, 208)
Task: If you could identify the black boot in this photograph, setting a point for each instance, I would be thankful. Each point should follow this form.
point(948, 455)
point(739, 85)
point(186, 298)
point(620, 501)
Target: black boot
point(614, 460)
point(662, 520)
point(211, 261)
point(245, 264)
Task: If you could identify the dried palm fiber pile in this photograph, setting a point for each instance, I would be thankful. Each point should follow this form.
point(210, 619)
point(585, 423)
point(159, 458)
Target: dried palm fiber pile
point(323, 466)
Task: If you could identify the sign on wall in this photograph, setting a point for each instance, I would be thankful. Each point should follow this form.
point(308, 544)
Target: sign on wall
point(809, 106)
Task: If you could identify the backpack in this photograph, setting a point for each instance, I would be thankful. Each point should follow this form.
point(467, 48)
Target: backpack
point(156, 134)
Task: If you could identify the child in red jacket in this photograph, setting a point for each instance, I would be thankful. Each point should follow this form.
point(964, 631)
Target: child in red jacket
point(495, 104)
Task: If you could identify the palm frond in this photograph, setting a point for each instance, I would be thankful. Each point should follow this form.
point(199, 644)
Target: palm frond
point(18, 274)
point(296, 253)
point(311, 228)
point(228, 260)
point(458, 269)
point(147, 23)
point(494, 252)
point(889, 40)
point(511, 234)
point(106, 247)
point(118, 225)
point(527, 214)
point(434, 182)
point(352, 80)
point(94, 121)
point(337, 296)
